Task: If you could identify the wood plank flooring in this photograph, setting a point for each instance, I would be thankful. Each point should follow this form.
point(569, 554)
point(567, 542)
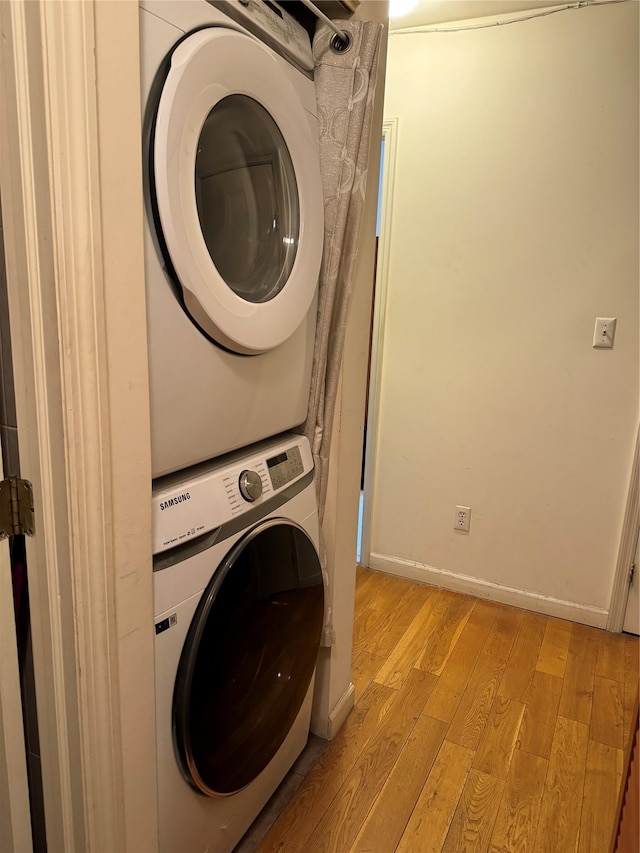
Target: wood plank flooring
point(477, 727)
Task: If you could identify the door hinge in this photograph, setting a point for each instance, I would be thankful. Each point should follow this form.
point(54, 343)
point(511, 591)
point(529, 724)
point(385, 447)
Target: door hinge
point(16, 508)
point(632, 573)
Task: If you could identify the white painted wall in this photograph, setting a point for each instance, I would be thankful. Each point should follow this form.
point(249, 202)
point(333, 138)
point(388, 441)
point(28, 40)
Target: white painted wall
point(515, 225)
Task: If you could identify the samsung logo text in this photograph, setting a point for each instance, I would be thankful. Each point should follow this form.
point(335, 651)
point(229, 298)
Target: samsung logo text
point(185, 496)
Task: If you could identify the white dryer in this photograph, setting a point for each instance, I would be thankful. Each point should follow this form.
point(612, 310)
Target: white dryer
point(233, 234)
point(239, 604)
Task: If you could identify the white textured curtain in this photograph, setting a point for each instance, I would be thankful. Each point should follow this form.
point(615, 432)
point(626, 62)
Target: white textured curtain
point(345, 89)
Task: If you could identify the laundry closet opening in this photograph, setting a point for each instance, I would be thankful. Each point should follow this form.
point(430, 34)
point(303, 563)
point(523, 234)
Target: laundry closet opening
point(378, 308)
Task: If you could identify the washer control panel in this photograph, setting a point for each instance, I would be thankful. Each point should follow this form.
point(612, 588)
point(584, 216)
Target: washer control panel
point(285, 467)
point(215, 492)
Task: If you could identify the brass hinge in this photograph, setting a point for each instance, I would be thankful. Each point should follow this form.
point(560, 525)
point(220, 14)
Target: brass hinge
point(16, 508)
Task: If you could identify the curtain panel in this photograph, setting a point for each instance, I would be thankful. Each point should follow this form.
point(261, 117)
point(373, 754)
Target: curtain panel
point(345, 84)
point(345, 91)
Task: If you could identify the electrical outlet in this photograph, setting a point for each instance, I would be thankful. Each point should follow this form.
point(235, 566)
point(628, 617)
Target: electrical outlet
point(463, 518)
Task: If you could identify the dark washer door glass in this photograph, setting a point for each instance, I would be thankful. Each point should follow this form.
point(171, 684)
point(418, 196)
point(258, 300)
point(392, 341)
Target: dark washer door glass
point(247, 198)
point(249, 658)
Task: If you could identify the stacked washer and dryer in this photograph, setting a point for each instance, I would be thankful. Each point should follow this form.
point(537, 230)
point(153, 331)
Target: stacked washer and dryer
point(233, 241)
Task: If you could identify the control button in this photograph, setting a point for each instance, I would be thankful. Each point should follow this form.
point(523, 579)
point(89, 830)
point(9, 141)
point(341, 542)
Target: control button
point(250, 485)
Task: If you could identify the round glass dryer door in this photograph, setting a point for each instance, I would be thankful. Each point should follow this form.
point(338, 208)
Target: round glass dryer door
point(247, 198)
point(237, 184)
point(249, 658)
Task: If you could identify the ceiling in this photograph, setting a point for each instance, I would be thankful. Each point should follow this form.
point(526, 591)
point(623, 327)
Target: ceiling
point(444, 11)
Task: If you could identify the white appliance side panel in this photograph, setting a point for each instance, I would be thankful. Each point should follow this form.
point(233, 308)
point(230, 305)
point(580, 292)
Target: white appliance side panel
point(238, 399)
point(187, 15)
point(157, 38)
point(192, 14)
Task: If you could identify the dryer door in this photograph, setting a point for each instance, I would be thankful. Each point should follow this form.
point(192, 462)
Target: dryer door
point(249, 658)
point(238, 190)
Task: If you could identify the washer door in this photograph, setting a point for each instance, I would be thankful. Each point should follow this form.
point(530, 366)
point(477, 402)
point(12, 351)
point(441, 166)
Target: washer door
point(249, 658)
point(238, 190)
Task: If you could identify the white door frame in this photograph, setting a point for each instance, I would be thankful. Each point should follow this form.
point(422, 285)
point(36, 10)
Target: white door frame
point(626, 552)
point(390, 137)
point(71, 191)
point(632, 607)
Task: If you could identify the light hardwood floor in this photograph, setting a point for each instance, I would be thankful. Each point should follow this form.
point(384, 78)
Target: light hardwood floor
point(476, 727)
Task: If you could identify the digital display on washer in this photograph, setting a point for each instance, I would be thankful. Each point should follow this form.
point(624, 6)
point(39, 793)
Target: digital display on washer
point(285, 467)
point(276, 460)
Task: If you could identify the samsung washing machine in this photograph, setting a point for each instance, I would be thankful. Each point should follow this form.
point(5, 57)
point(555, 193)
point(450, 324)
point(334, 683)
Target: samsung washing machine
point(239, 603)
point(234, 224)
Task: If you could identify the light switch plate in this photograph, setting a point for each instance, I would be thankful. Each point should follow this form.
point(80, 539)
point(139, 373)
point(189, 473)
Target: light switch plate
point(604, 332)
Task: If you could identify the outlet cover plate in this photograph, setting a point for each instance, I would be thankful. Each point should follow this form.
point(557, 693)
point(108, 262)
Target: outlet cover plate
point(604, 332)
point(462, 520)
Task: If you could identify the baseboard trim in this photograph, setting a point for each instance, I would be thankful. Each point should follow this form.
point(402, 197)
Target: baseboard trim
point(582, 613)
point(341, 711)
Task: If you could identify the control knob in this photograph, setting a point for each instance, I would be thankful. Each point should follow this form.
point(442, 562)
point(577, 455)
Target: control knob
point(250, 485)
